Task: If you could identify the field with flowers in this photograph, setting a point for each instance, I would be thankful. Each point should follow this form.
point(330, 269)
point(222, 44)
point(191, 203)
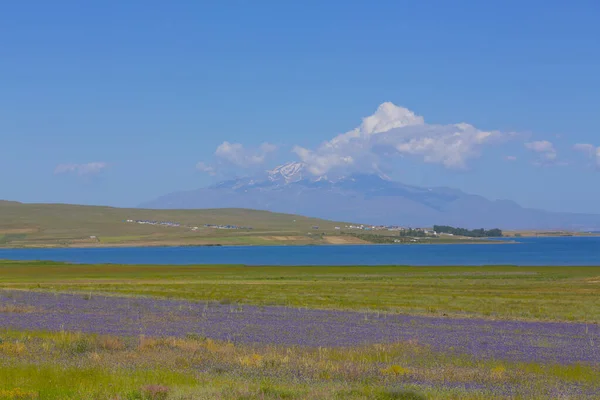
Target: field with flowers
point(232, 332)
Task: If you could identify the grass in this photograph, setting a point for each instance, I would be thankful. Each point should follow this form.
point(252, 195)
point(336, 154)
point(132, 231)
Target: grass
point(56, 366)
point(73, 366)
point(503, 292)
point(64, 225)
point(121, 239)
point(40, 225)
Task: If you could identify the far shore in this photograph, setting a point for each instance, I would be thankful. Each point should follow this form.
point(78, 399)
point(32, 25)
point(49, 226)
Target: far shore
point(512, 237)
point(170, 244)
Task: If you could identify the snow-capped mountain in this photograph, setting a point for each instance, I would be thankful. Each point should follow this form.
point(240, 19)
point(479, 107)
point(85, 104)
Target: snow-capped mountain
point(288, 173)
point(322, 185)
point(368, 198)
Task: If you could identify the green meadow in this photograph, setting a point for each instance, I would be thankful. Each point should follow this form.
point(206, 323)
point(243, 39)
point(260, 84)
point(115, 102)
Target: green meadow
point(499, 292)
point(64, 365)
point(66, 225)
point(72, 365)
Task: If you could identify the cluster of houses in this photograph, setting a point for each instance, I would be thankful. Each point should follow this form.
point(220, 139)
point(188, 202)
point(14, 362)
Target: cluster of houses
point(375, 227)
point(226, 226)
point(161, 223)
point(390, 228)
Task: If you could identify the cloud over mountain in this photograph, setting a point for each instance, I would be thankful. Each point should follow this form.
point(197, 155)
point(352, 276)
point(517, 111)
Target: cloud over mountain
point(390, 133)
point(235, 155)
point(341, 179)
point(397, 131)
point(209, 169)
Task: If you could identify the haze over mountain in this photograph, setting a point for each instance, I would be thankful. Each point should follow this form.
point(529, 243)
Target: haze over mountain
point(368, 198)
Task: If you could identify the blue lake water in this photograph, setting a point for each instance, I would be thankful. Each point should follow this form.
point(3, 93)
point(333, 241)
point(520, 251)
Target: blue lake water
point(562, 251)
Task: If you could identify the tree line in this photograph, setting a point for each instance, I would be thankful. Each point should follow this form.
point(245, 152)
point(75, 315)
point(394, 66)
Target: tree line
point(467, 232)
point(412, 233)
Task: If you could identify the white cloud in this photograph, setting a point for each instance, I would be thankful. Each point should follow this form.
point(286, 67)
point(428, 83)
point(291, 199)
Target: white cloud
point(590, 151)
point(267, 148)
point(586, 148)
point(209, 169)
point(546, 151)
point(238, 155)
point(510, 158)
point(80, 169)
point(235, 155)
point(393, 131)
point(542, 146)
point(319, 164)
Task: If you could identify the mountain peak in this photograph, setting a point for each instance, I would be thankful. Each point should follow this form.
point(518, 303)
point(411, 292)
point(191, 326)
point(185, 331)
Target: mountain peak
point(288, 173)
point(369, 198)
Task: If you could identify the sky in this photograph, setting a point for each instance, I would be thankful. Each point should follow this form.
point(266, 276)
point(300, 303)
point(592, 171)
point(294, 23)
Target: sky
point(116, 103)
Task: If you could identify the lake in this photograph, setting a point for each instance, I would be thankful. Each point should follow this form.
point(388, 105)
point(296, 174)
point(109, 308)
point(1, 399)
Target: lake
point(563, 251)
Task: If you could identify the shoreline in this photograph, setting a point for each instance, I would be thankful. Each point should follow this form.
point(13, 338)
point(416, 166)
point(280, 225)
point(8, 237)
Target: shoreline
point(166, 245)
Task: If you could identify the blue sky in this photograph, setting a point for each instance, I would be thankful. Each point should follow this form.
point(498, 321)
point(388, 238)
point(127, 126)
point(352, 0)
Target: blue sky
point(112, 103)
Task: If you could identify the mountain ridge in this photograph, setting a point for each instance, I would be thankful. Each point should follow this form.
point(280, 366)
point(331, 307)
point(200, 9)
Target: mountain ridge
point(369, 198)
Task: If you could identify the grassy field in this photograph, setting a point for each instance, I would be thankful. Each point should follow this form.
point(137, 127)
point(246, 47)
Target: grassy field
point(66, 365)
point(71, 365)
point(532, 293)
point(62, 225)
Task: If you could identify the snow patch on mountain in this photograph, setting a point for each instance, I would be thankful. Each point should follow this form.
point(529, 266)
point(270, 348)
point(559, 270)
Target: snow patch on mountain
point(287, 173)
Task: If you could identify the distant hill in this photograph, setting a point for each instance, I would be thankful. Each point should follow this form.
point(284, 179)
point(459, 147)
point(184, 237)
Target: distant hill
point(372, 199)
point(57, 218)
point(74, 224)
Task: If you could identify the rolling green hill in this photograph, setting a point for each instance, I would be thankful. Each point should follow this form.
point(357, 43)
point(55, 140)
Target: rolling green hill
point(75, 225)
